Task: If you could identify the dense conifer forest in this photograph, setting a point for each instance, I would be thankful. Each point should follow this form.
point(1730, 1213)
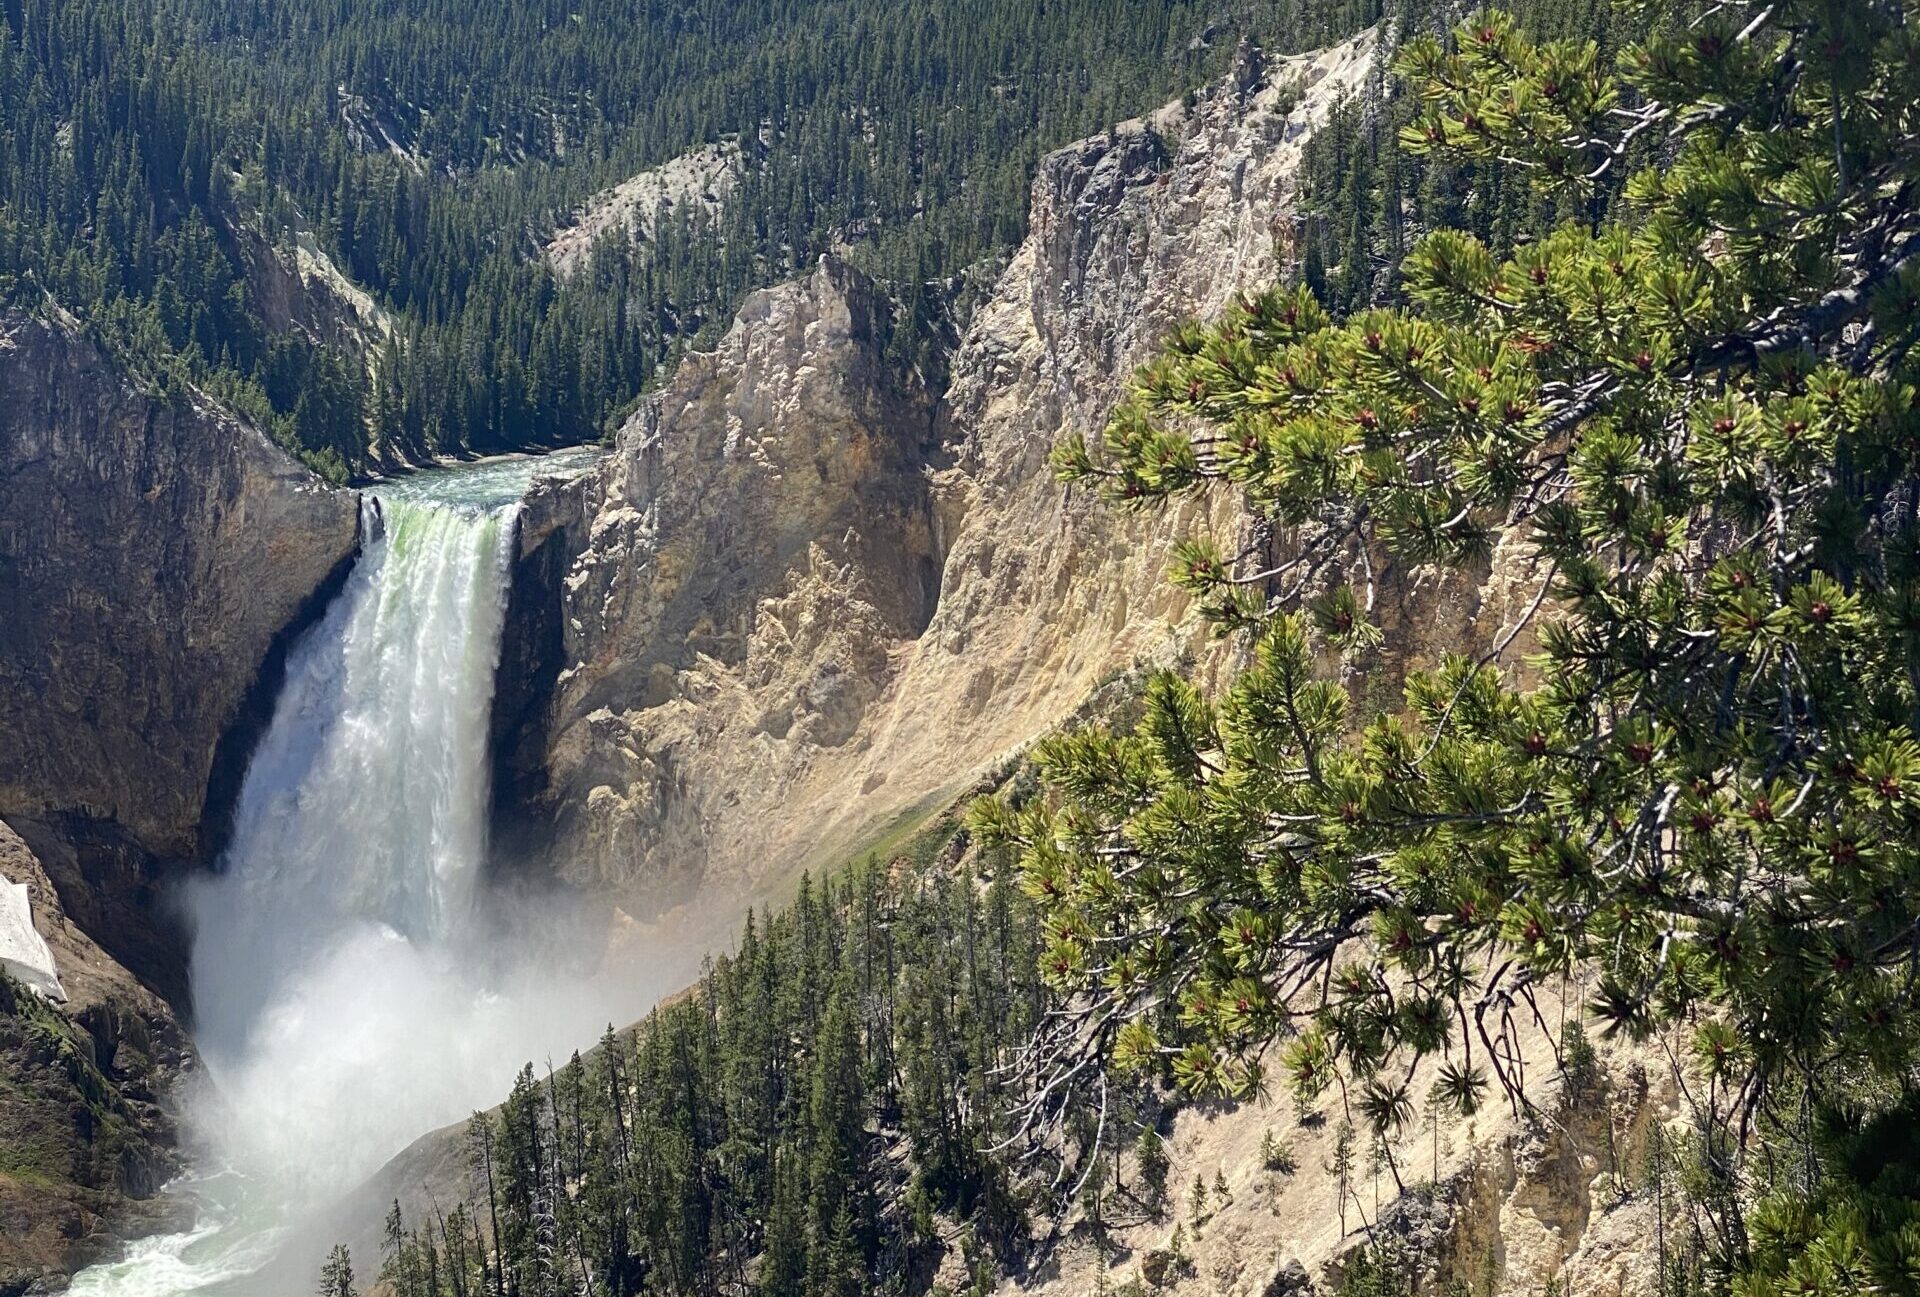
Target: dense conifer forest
point(1368, 199)
point(818, 1115)
point(154, 153)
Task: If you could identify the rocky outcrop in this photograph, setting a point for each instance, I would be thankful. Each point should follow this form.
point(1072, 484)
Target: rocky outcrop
point(793, 610)
point(699, 181)
point(156, 555)
point(86, 1133)
point(300, 289)
point(1513, 1202)
point(736, 578)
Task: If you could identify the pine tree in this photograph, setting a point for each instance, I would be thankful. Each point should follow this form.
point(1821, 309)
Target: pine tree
point(336, 1276)
point(1150, 1152)
point(839, 1181)
point(1339, 1166)
point(1694, 414)
point(783, 1267)
point(1276, 1155)
point(397, 1265)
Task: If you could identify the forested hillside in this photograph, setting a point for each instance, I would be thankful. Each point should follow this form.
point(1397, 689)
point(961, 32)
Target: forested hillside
point(154, 151)
point(817, 1116)
point(1368, 198)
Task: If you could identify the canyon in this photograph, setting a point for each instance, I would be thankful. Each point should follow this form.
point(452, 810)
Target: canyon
point(801, 607)
point(801, 604)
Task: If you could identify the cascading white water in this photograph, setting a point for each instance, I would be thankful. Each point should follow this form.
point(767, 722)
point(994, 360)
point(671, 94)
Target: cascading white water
point(346, 999)
point(356, 840)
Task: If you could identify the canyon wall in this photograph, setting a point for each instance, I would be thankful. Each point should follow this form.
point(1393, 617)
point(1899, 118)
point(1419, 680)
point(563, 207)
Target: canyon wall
point(729, 587)
point(156, 555)
point(86, 1117)
point(797, 607)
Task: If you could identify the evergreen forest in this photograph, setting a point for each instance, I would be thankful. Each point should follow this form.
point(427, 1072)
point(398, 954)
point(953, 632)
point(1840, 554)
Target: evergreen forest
point(156, 160)
point(816, 1116)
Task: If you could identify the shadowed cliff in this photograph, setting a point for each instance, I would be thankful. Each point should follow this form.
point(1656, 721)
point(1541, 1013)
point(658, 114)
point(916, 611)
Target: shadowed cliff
point(156, 554)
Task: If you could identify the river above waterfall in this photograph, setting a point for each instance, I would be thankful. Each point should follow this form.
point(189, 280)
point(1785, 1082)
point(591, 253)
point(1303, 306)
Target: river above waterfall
point(491, 483)
point(351, 990)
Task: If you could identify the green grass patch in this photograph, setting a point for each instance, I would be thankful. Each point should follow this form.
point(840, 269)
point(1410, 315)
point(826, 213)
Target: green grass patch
point(917, 831)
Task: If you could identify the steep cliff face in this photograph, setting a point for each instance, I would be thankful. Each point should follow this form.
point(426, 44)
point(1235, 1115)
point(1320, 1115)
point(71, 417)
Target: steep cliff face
point(302, 290)
point(1512, 1202)
point(155, 555)
point(736, 578)
point(86, 1136)
point(794, 608)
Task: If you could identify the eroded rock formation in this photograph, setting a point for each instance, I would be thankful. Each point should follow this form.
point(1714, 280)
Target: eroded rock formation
point(795, 608)
point(701, 180)
point(729, 589)
point(1512, 1202)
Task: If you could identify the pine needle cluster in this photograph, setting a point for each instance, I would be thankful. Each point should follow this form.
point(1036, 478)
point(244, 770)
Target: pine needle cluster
point(1694, 423)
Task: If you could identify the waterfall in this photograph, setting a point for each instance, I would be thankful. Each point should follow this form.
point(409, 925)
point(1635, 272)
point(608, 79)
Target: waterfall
point(348, 883)
point(364, 807)
point(351, 990)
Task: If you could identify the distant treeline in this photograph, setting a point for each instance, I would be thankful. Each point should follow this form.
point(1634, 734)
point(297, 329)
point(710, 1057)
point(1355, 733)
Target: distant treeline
point(151, 152)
